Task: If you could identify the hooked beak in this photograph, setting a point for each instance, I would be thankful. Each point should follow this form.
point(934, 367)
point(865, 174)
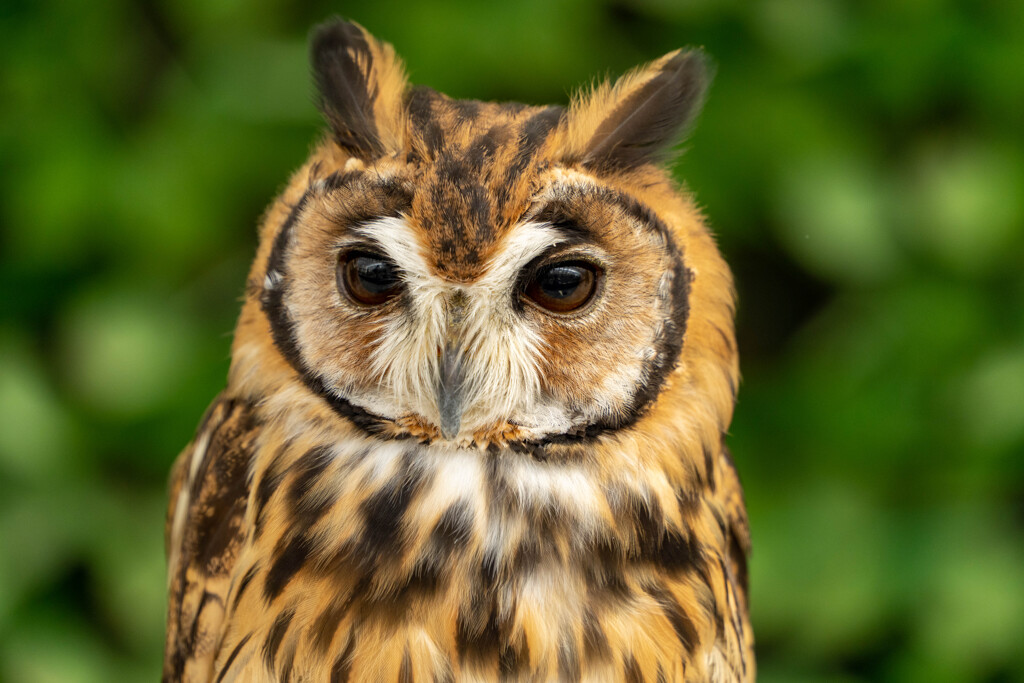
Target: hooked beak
point(449, 391)
point(450, 394)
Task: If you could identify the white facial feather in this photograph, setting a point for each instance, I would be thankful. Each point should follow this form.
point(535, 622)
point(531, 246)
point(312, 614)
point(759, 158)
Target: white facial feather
point(499, 350)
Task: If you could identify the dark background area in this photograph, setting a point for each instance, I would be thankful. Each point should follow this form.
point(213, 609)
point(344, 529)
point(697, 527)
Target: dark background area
point(861, 163)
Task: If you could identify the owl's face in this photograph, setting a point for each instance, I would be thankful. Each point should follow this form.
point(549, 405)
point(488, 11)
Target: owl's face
point(477, 273)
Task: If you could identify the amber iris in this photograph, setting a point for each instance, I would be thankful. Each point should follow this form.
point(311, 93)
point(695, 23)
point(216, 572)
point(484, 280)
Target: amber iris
point(368, 278)
point(563, 287)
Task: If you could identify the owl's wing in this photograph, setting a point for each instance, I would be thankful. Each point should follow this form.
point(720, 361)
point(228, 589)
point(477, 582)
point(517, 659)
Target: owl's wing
point(736, 658)
point(204, 533)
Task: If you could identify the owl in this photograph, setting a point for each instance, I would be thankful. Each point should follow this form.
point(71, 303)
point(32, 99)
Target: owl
point(473, 425)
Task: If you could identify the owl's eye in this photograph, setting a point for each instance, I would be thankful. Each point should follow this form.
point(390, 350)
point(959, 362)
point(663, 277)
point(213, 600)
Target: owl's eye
point(368, 278)
point(564, 286)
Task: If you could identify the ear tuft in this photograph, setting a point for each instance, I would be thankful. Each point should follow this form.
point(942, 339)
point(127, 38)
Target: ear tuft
point(360, 82)
point(641, 117)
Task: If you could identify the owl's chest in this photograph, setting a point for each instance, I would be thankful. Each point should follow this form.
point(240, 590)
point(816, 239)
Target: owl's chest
point(401, 562)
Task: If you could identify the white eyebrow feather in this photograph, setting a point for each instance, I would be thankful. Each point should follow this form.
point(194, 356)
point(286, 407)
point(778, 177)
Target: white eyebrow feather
point(400, 242)
point(526, 242)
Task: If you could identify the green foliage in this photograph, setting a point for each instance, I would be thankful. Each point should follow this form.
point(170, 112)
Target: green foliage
point(861, 162)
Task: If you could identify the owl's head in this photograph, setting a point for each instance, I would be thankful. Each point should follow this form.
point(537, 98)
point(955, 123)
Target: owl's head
point(488, 274)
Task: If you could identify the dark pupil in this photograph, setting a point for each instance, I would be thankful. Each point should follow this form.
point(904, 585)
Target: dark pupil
point(374, 275)
point(560, 282)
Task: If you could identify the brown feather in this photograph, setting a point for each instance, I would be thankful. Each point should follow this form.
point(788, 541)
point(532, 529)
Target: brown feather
point(360, 83)
point(649, 120)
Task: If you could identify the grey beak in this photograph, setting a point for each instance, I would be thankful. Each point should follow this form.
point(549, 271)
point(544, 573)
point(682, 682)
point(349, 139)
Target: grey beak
point(449, 391)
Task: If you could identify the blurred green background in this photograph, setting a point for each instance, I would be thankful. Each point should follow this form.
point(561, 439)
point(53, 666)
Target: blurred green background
point(861, 162)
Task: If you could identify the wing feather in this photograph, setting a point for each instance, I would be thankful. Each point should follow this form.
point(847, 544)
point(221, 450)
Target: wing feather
point(733, 660)
point(205, 530)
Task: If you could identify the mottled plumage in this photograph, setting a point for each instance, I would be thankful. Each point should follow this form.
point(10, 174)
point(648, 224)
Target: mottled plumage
point(437, 457)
